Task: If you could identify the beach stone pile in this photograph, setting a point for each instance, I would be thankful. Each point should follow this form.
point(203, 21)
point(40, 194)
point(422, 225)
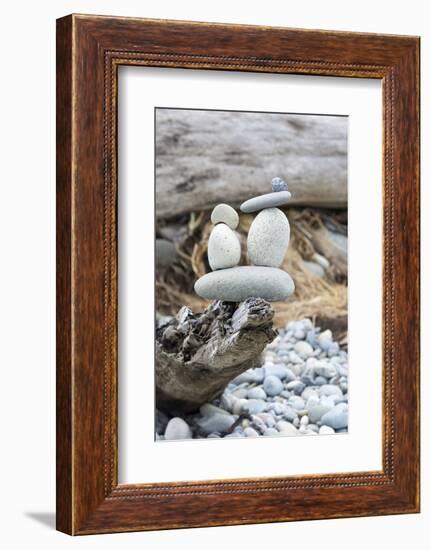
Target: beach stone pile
point(300, 389)
point(267, 243)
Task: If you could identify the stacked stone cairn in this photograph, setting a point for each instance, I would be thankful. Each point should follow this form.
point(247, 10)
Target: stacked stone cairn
point(267, 244)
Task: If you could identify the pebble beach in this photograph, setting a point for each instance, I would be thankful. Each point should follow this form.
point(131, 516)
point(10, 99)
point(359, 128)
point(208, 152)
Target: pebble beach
point(301, 389)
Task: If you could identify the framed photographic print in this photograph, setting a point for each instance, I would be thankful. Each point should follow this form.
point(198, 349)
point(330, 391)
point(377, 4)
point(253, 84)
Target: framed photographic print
point(237, 274)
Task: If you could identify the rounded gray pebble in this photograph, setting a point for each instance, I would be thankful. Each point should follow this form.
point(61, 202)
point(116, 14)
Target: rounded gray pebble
point(216, 423)
point(278, 185)
point(238, 283)
point(178, 428)
point(269, 200)
point(271, 432)
point(280, 371)
point(256, 393)
point(272, 385)
point(250, 432)
point(254, 406)
point(337, 417)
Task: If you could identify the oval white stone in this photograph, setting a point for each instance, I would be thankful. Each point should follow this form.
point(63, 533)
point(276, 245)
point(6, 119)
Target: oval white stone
point(268, 238)
point(223, 213)
point(224, 249)
point(177, 428)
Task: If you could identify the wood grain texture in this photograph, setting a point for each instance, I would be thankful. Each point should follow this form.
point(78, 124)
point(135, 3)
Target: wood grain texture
point(90, 49)
point(197, 355)
point(64, 460)
point(309, 152)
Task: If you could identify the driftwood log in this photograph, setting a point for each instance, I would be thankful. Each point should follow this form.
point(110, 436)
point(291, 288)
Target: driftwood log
point(203, 157)
point(197, 355)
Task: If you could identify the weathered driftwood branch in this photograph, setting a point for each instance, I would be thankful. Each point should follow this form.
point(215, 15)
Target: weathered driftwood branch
point(205, 155)
point(198, 354)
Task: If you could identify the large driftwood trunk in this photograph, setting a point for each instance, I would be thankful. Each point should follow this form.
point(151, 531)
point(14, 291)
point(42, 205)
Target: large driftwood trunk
point(198, 354)
point(204, 157)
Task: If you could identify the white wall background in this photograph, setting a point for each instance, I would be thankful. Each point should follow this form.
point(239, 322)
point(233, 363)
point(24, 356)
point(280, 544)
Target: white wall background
point(27, 262)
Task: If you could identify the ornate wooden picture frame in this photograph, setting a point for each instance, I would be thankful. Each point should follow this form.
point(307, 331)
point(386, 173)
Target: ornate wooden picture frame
point(89, 51)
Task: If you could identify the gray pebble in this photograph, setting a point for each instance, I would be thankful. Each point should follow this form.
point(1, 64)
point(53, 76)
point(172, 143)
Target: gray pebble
point(177, 428)
point(313, 427)
point(278, 185)
point(309, 392)
point(271, 432)
point(280, 371)
point(256, 393)
point(248, 376)
point(286, 428)
point(254, 406)
point(326, 430)
point(272, 385)
point(333, 349)
point(322, 368)
point(330, 389)
point(241, 393)
point(216, 423)
point(296, 402)
point(289, 413)
point(238, 405)
point(299, 334)
point(166, 253)
point(267, 418)
point(314, 269)
point(316, 411)
point(226, 401)
point(238, 283)
point(294, 358)
point(296, 386)
point(337, 417)
point(269, 200)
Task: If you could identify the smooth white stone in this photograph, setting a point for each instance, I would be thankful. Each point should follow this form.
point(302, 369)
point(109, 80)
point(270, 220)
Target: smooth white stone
point(321, 260)
point(303, 348)
point(177, 428)
point(325, 336)
point(326, 430)
point(250, 432)
point(268, 238)
point(223, 213)
point(224, 249)
point(286, 428)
